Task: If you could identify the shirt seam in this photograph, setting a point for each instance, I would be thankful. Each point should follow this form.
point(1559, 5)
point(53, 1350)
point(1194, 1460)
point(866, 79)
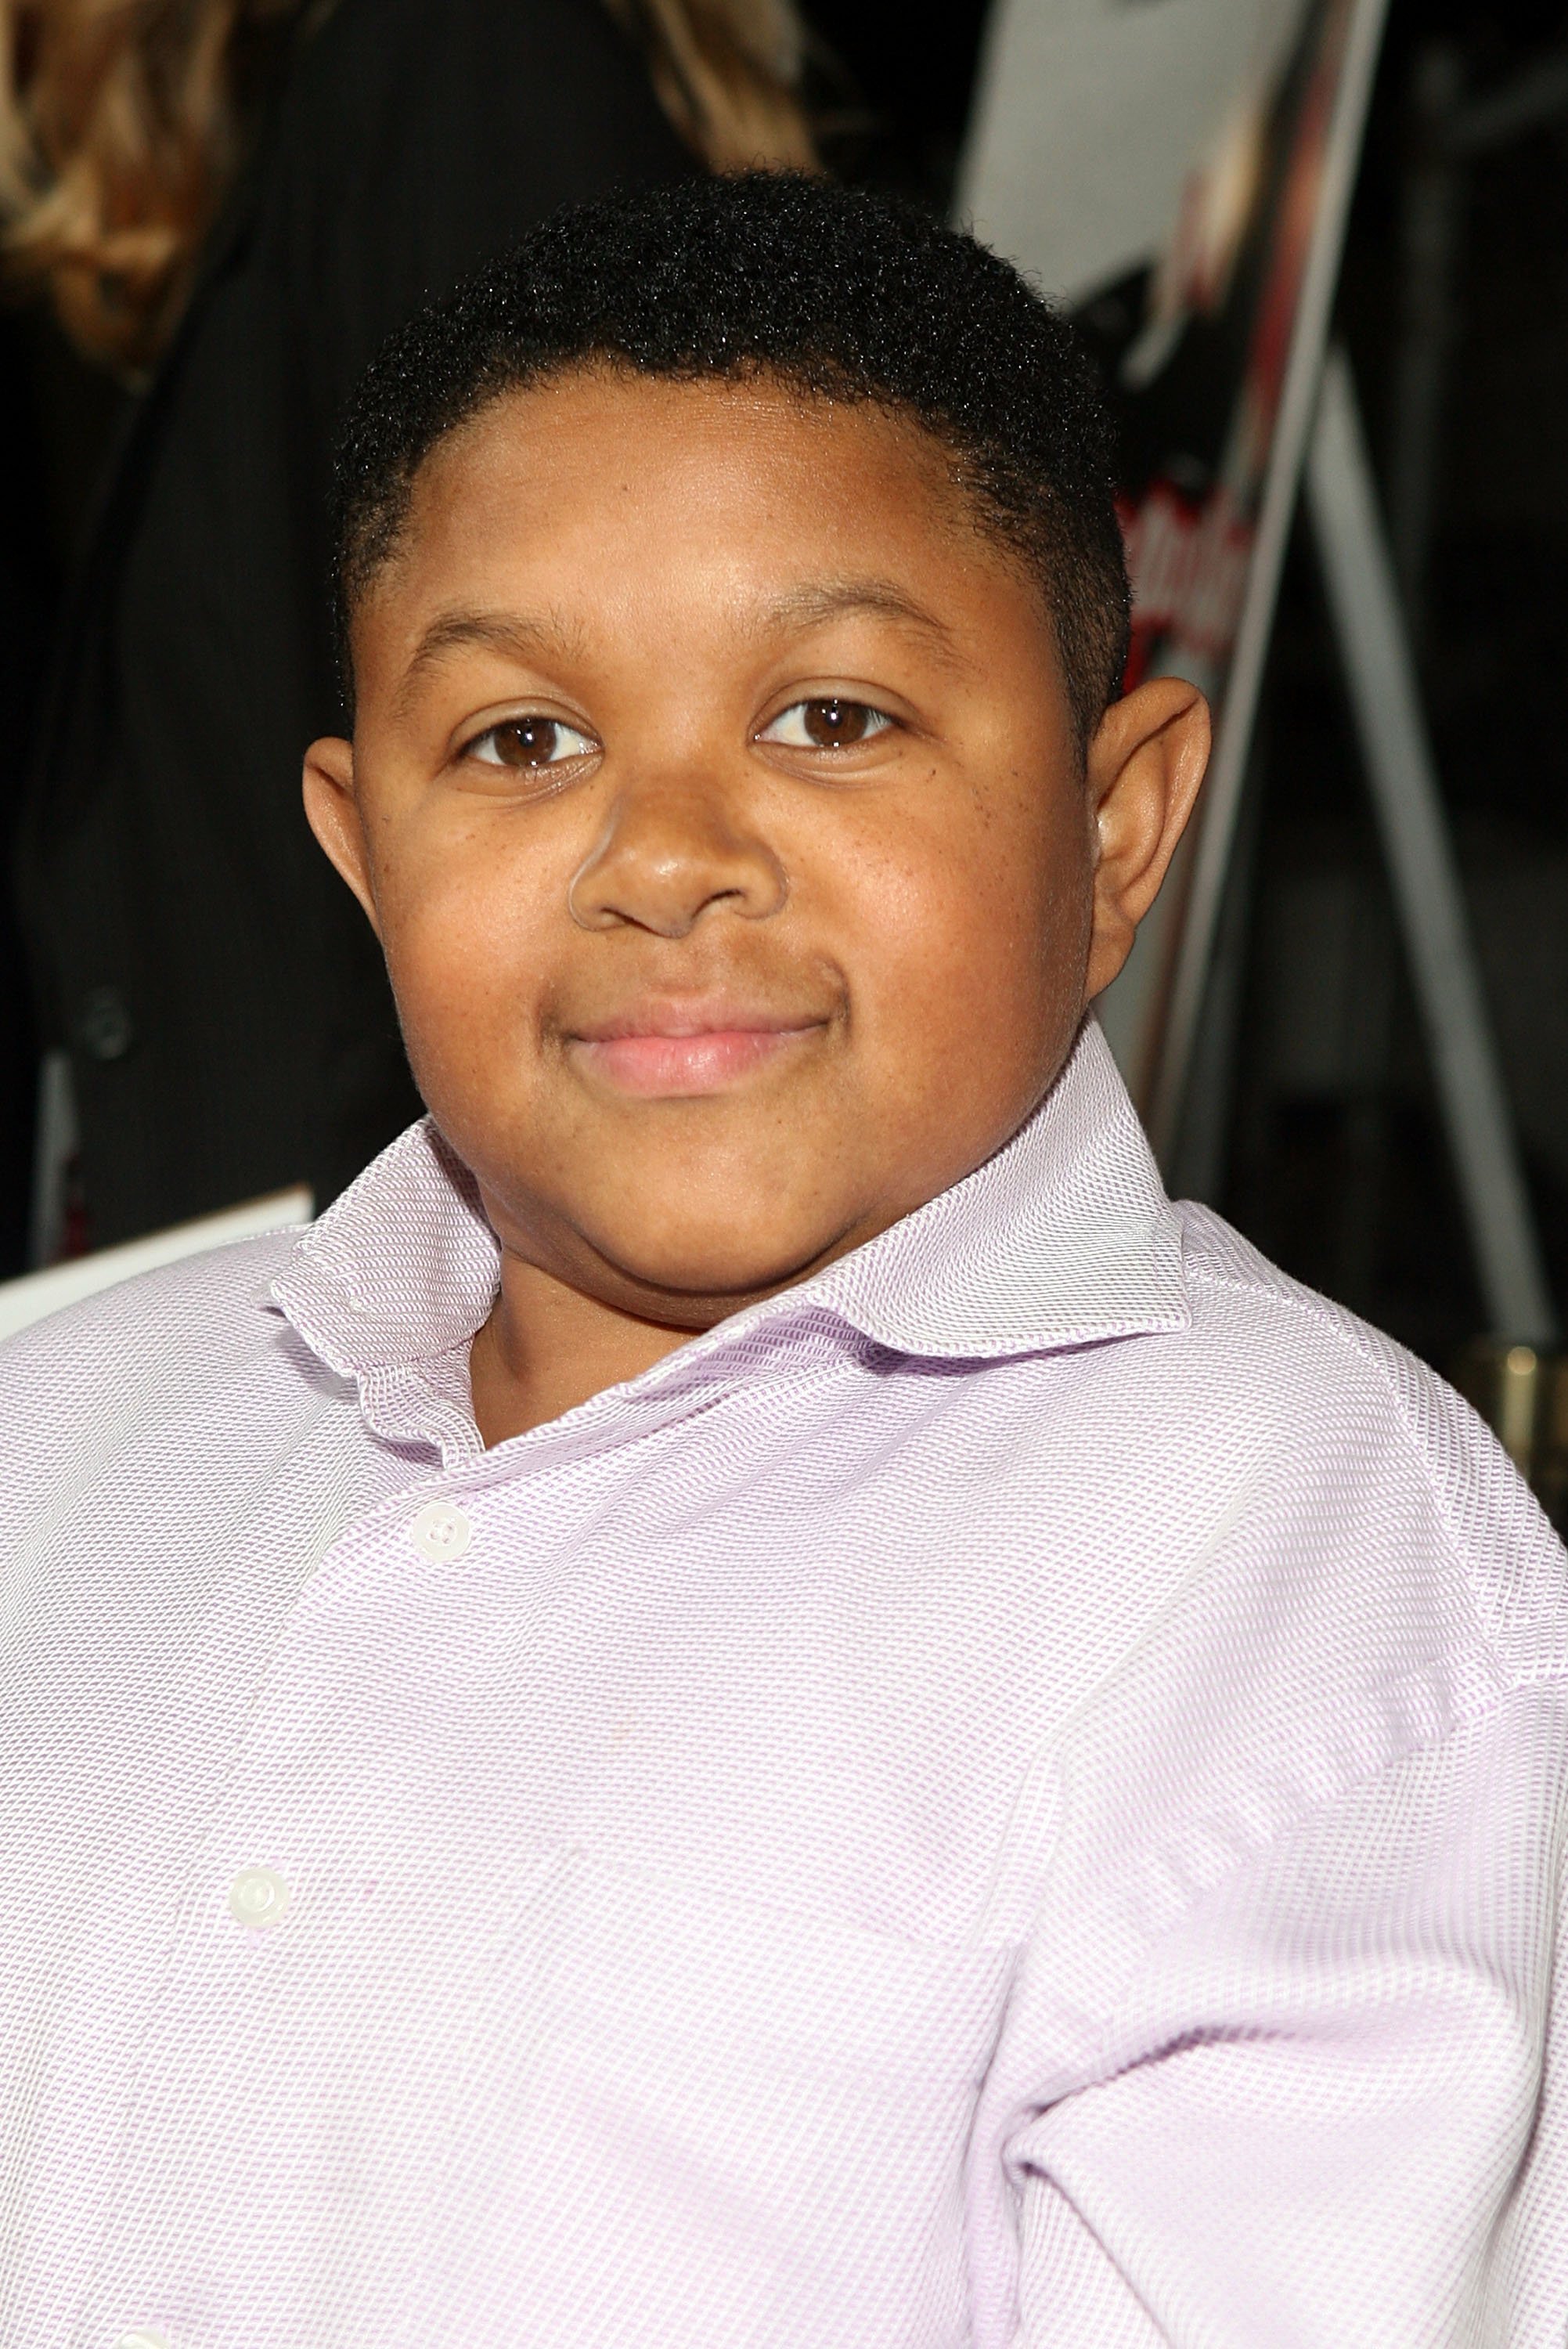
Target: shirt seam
point(1092, 2069)
point(1307, 1309)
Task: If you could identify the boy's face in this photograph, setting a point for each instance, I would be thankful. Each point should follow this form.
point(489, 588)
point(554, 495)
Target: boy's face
point(714, 796)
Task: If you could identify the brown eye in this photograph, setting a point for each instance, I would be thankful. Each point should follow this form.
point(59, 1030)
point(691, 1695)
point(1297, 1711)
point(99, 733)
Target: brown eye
point(826, 724)
point(528, 743)
point(835, 724)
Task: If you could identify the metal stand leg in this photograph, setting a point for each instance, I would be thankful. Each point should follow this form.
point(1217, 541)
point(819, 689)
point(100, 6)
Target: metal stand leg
point(54, 1147)
point(1369, 628)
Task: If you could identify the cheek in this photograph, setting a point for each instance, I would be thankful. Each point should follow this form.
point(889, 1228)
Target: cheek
point(973, 946)
point(461, 925)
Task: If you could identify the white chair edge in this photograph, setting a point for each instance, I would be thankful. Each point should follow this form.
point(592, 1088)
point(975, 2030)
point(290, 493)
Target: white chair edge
point(37, 1294)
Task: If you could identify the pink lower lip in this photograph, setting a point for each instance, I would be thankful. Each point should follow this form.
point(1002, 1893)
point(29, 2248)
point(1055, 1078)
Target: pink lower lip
point(651, 1066)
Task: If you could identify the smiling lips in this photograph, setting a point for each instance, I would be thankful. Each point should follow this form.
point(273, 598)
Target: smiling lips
point(668, 1051)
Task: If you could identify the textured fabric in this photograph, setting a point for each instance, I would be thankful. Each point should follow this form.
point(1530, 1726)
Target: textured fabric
point(1012, 1794)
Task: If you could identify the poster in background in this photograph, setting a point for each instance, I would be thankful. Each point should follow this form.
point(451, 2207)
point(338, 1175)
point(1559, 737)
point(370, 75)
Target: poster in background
point(1178, 173)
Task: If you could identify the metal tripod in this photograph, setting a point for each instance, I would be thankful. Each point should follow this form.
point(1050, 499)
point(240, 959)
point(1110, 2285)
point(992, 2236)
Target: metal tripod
point(1373, 644)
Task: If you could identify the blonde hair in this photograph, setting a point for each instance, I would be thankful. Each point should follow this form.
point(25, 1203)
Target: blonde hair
point(122, 123)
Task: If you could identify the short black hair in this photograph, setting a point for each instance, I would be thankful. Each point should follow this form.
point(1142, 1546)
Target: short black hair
point(833, 290)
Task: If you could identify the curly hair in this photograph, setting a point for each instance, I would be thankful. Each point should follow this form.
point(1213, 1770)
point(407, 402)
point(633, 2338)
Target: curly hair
point(122, 123)
point(836, 292)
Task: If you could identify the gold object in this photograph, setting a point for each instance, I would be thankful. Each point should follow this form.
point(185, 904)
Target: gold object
point(1522, 1394)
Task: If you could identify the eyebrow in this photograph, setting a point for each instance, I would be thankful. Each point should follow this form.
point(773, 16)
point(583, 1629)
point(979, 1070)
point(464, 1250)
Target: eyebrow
point(551, 637)
point(527, 637)
point(830, 599)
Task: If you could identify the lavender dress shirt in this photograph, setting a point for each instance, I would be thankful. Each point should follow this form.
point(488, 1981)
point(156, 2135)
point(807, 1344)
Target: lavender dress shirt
point(1011, 1798)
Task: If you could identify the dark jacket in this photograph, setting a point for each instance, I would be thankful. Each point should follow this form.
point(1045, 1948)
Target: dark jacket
point(227, 1014)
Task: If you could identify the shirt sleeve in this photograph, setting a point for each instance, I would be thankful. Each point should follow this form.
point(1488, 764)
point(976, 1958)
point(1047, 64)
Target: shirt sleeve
point(1333, 2110)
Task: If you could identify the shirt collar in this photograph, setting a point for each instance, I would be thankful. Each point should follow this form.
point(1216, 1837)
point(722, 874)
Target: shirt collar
point(1064, 1238)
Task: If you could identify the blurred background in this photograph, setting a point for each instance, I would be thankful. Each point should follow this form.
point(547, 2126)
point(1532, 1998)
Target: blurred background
point(1333, 1156)
point(1328, 1149)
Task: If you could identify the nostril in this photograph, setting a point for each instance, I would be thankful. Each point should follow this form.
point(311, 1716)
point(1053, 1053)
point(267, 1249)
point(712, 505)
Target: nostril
point(647, 884)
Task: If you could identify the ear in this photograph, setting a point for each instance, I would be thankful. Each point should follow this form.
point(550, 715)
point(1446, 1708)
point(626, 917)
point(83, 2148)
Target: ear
point(1145, 764)
point(332, 812)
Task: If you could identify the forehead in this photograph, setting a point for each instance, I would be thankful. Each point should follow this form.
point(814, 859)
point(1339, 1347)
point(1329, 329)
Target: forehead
point(592, 470)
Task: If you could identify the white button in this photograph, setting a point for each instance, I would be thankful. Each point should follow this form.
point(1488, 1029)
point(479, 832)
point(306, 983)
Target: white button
point(440, 1531)
point(142, 2336)
point(258, 1896)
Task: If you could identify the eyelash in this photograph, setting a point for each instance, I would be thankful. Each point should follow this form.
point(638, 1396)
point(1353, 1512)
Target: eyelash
point(878, 722)
point(523, 721)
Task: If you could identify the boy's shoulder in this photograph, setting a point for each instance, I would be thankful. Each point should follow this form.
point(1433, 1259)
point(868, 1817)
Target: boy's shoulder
point(75, 1385)
point(1260, 1328)
point(1374, 1439)
point(202, 1301)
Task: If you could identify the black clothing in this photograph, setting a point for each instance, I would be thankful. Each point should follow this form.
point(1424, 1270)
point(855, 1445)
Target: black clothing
point(27, 587)
point(223, 1001)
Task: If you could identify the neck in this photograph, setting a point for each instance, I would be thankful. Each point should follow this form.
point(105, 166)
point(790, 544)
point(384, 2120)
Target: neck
point(547, 1348)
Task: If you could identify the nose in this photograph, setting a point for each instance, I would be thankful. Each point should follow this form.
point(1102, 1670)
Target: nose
point(672, 848)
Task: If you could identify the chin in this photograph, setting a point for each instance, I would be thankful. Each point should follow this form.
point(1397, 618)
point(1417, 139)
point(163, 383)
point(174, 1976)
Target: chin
point(705, 1263)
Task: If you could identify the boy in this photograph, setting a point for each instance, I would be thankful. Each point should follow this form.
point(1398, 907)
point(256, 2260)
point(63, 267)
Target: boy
point(755, 1699)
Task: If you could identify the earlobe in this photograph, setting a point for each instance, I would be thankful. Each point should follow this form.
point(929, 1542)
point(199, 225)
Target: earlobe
point(332, 810)
point(1145, 766)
